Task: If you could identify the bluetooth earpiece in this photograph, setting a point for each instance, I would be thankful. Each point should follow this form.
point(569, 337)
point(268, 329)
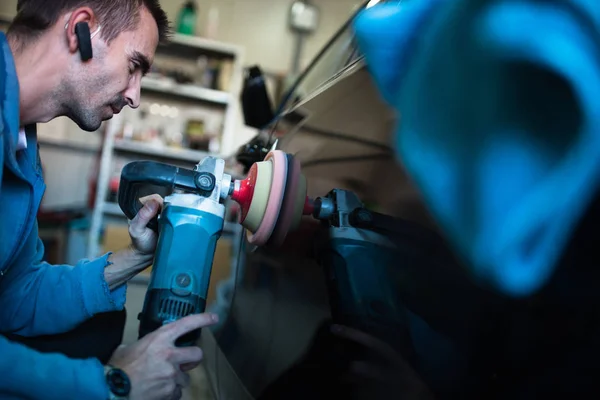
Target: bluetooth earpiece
point(84, 40)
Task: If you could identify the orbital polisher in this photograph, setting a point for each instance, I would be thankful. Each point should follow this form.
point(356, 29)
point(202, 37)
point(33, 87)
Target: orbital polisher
point(272, 200)
point(354, 246)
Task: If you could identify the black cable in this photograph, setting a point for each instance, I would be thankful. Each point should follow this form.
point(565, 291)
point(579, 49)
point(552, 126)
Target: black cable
point(272, 133)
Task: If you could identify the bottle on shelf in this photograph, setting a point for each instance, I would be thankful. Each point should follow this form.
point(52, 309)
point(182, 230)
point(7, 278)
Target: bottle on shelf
point(187, 19)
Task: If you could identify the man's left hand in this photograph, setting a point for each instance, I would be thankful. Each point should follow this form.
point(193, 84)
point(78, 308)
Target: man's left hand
point(143, 239)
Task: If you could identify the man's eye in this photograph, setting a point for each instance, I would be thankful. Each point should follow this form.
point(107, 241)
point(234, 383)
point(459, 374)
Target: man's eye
point(132, 68)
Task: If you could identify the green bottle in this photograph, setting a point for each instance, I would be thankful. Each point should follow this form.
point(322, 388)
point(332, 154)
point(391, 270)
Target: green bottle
point(187, 19)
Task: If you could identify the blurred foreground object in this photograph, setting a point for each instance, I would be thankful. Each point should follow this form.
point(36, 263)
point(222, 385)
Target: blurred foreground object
point(499, 114)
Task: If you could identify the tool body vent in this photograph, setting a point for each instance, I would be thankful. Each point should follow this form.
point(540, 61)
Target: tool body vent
point(172, 309)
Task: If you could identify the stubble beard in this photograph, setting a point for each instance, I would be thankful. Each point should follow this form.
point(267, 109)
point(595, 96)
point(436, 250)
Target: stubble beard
point(76, 105)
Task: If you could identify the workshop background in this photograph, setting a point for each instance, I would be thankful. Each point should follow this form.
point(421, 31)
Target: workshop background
point(190, 108)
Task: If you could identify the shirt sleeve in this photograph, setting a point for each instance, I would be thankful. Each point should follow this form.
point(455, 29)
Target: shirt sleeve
point(1, 151)
point(1, 120)
point(27, 374)
point(37, 298)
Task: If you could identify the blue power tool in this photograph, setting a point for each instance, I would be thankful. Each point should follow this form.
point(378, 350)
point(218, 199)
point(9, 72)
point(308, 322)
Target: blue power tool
point(355, 248)
point(189, 226)
point(272, 201)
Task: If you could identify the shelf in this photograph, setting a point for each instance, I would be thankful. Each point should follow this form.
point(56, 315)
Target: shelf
point(162, 151)
point(68, 144)
point(4, 24)
point(206, 44)
point(112, 209)
point(186, 90)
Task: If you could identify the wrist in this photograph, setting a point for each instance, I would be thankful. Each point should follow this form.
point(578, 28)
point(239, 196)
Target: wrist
point(131, 259)
point(139, 255)
point(124, 265)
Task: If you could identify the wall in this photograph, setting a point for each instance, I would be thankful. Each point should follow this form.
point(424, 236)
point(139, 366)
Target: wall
point(8, 7)
point(261, 27)
point(258, 25)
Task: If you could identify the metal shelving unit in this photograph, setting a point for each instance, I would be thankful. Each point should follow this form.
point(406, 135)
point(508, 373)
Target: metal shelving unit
point(112, 209)
point(189, 91)
point(5, 21)
point(162, 152)
point(114, 147)
point(68, 144)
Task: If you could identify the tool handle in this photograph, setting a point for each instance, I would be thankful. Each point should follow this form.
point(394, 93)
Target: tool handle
point(144, 178)
point(181, 270)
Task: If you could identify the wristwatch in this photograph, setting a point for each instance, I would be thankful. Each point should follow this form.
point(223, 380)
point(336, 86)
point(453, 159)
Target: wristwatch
point(118, 383)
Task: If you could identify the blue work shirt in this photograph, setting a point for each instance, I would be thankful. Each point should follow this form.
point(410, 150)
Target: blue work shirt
point(37, 298)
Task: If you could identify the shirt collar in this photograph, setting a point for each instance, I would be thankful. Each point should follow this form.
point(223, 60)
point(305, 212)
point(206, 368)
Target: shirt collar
point(22, 142)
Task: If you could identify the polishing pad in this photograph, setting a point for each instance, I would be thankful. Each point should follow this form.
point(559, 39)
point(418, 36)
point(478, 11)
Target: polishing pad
point(259, 181)
point(265, 229)
point(288, 206)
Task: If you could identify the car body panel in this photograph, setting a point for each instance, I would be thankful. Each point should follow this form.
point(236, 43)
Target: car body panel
point(277, 305)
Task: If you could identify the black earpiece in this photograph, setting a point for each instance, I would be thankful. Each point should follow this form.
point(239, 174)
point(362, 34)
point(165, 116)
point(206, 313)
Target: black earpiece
point(84, 39)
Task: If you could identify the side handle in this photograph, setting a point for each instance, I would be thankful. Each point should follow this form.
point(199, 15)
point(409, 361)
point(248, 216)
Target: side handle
point(144, 178)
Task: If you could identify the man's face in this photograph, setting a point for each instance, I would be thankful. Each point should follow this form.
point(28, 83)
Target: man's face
point(111, 80)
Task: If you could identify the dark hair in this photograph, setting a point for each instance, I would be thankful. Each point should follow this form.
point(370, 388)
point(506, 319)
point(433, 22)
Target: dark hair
point(116, 16)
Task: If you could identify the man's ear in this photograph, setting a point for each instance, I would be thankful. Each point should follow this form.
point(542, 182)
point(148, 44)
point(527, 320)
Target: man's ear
point(79, 30)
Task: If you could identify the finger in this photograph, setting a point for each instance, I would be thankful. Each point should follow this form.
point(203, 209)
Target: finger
point(186, 355)
point(157, 197)
point(174, 330)
point(182, 379)
point(138, 224)
point(371, 342)
point(189, 366)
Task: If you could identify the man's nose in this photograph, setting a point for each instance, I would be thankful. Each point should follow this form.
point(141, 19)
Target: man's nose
point(133, 93)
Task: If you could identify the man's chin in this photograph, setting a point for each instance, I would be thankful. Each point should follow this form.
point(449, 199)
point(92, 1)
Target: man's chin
point(89, 127)
point(87, 120)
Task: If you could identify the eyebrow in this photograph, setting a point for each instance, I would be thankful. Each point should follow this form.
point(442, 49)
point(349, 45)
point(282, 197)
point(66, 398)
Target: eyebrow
point(142, 60)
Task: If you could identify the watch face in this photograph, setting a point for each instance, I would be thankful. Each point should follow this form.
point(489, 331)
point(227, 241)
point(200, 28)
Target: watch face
point(118, 382)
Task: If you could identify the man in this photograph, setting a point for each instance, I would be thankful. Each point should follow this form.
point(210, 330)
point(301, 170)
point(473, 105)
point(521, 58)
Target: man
point(83, 59)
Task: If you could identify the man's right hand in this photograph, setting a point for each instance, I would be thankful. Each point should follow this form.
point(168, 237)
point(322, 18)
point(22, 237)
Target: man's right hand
point(156, 367)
